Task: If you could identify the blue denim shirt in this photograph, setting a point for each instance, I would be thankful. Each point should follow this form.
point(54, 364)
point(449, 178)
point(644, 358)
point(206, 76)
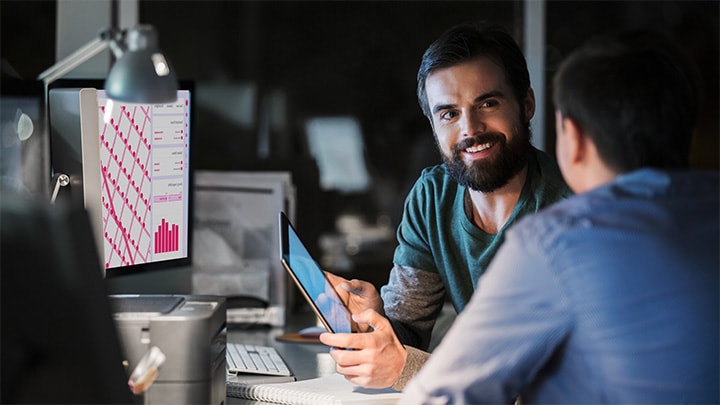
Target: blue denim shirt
point(610, 296)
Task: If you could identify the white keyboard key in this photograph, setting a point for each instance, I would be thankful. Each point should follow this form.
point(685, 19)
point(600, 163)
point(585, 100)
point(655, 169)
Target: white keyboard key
point(253, 359)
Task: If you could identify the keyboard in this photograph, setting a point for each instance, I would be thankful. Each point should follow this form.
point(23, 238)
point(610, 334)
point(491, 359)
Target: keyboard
point(254, 359)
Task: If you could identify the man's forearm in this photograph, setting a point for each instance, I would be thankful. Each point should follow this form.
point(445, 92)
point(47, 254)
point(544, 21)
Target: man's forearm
point(413, 300)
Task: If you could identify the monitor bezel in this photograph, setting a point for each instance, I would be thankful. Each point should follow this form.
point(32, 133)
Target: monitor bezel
point(115, 272)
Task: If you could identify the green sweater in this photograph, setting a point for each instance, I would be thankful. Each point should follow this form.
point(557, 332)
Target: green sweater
point(440, 251)
point(436, 236)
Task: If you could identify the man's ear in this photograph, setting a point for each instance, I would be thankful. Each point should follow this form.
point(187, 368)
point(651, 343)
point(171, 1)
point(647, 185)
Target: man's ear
point(528, 104)
point(576, 141)
point(581, 165)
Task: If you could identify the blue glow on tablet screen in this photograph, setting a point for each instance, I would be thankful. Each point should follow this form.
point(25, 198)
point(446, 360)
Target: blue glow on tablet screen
point(317, 287)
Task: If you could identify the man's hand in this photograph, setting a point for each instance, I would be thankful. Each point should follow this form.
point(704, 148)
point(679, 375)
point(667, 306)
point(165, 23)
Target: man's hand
point(357, 295)
point(377, 358)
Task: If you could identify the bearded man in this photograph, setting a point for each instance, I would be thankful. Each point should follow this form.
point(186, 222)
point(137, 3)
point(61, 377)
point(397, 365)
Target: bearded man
point(474, 88)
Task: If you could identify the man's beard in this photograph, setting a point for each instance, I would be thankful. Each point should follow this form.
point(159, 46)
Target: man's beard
point(492, 173)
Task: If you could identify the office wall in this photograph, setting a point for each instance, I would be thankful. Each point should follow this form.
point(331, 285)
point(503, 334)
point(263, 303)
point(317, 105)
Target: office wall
point(27, 37)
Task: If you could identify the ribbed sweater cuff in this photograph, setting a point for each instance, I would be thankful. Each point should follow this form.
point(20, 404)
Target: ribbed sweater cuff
point(414, 362)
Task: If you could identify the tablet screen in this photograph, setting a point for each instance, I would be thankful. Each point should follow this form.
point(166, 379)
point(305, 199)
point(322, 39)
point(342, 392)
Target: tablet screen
point(311, 280)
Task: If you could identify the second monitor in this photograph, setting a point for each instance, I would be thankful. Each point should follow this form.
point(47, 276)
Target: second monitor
point(129, 165)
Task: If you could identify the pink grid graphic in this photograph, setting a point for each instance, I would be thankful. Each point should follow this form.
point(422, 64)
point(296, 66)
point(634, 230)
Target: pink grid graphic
point(126, 185)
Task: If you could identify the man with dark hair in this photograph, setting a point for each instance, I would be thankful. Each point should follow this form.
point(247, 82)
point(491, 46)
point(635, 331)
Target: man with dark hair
point(474, 88)
point(610, 296)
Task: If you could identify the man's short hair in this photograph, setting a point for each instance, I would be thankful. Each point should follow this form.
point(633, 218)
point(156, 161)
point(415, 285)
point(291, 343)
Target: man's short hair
point(466, 42)
point(636, 96)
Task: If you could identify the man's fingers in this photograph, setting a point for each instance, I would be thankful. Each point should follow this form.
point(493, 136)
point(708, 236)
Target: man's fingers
point(372, 318)
point(339, 339)
point(356, 341)
point(334, 279)
point(354, 286)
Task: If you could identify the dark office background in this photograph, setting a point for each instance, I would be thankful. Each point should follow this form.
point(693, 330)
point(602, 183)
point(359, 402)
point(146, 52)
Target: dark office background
point(351, 58)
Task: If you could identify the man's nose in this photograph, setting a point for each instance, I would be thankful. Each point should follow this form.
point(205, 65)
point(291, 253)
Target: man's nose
point(472, 123)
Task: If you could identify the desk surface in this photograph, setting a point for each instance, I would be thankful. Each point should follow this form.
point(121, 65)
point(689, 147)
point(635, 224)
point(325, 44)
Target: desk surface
point(306, 360)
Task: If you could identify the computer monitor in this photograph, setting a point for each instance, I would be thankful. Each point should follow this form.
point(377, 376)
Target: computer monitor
point(21, 140)
point(59, 341)
point(130, 167)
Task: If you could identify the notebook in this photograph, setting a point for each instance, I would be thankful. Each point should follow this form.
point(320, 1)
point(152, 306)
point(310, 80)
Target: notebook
point(331, 389)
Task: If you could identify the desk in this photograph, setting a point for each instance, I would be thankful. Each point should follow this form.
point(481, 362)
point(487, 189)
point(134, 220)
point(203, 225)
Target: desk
point(306, 360)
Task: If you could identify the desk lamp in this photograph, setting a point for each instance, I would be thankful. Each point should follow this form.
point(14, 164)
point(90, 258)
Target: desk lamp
point(141, 73)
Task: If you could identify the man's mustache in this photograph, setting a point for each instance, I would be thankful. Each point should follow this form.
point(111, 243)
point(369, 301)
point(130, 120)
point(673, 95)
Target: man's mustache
point(491, 137)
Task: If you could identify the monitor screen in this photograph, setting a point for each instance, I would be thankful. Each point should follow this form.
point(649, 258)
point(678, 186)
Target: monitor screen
point(130, 166)
point(145, 180)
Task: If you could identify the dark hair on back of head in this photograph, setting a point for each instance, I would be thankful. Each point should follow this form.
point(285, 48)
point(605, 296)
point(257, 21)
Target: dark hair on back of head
point(635, 94)
point(466, 42)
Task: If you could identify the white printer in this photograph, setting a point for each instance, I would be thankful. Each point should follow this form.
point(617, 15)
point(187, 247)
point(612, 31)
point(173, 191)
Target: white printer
point(190, 330)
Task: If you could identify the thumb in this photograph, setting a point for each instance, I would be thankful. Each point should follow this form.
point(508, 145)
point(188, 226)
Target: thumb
point(354, 286)
point(372, 318)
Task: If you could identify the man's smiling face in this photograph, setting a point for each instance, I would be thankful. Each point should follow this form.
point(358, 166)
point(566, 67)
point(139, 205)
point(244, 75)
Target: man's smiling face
point(482, 131)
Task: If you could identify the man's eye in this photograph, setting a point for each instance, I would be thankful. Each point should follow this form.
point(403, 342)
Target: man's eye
point(448, 115)
point(489, 104)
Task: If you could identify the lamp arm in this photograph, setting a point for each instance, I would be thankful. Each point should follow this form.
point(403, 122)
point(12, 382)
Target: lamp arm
point(116, 41)
point(75, 59)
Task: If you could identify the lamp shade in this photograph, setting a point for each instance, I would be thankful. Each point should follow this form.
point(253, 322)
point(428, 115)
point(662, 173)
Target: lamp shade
point(141, 74)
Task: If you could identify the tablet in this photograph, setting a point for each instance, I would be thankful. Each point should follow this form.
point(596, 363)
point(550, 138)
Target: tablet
point(311, 280)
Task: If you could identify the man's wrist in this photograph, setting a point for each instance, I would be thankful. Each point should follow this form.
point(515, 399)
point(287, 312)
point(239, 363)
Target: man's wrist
point(414, 360)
